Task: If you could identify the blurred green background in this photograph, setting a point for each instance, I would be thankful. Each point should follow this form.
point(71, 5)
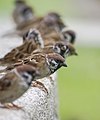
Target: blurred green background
point(79, 84)
point(41, 7)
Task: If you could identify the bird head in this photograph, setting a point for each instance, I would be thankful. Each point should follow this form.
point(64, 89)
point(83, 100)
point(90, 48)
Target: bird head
point(61, 48)
point(69, 35)
point(55, 61)
point(34, 35)
point(27, 73)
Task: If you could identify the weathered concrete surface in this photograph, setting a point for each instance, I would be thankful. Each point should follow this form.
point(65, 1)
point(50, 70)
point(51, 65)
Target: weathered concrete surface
point(36, 104)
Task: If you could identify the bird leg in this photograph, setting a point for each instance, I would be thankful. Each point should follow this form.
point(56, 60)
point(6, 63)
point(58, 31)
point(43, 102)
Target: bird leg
point(40, 86)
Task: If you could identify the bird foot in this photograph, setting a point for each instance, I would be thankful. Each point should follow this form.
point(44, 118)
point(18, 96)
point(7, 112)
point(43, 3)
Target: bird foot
point(40, 86)
point(11, 106)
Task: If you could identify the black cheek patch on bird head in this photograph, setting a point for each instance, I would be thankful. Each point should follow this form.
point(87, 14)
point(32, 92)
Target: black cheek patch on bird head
point(59, 60)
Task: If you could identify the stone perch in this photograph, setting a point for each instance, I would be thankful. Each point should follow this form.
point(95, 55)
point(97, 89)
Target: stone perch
point(37, 105)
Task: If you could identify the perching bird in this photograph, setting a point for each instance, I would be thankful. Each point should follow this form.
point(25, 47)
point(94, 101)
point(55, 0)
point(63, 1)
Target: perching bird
point(32, 41)
point(15, 83)
point(60, 48)
point(46, 64)
point(22, 12)
point(54, 20)
point(49, 22)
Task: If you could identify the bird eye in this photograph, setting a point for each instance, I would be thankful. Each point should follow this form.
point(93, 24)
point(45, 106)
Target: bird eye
point(54, 64)
point(63, 48)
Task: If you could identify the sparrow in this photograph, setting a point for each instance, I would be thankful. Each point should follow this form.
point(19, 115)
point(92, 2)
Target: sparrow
point(45, 24)
point(59, 47)
point(17, 54)
point(46, 64)
point(32, 40)
point(53, 19)
point(15, 83)
point(22, 12)
point(65, 50)
point(51, 22)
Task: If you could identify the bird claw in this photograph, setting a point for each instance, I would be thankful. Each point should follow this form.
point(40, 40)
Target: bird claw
point(10, 106)
point(40, 86)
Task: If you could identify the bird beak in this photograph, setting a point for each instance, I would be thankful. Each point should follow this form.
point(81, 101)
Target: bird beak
point(64, 64)
point(76, 53)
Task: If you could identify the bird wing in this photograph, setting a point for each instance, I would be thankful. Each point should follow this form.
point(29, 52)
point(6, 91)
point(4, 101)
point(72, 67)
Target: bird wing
point(6, 81)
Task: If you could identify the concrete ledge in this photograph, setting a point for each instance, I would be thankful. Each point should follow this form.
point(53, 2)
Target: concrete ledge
point(37, 105)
